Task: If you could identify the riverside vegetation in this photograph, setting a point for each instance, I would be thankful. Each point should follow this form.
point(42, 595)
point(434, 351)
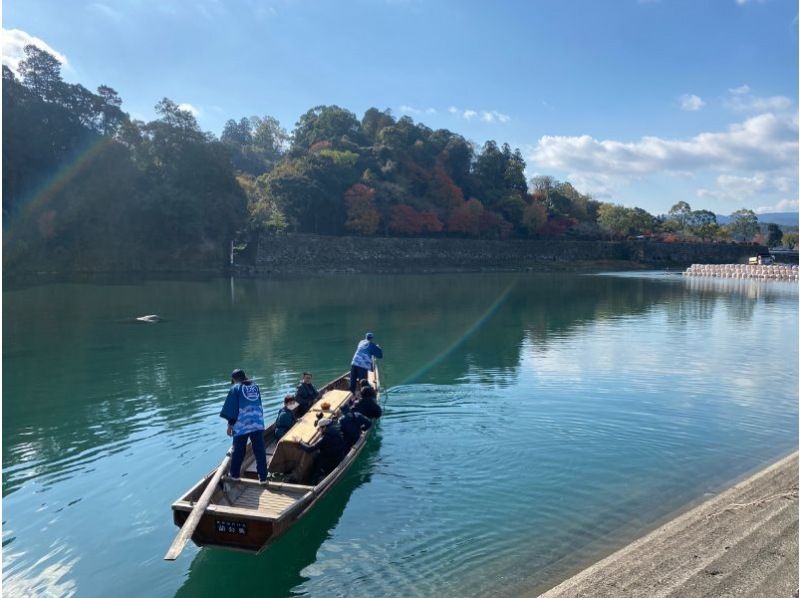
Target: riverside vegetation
point(85, 186)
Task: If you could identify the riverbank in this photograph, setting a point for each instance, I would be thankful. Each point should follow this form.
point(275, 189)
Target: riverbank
point(742, 542)
point(279, 254)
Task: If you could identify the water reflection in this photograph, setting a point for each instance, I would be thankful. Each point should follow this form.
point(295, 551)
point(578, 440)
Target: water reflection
point(108, 378)
point(594, 395)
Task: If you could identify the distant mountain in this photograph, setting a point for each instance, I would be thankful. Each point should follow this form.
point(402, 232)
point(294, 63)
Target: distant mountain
point(783, 218)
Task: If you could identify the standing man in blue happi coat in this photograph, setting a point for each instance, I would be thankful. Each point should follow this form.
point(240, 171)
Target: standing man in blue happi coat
point(245, 417)
point(362, 360)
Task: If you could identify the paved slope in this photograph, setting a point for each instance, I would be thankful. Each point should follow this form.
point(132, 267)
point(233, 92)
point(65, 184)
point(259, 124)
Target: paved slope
point(743, 542)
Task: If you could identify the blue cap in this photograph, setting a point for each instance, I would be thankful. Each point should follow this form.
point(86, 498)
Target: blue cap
point(369, 336)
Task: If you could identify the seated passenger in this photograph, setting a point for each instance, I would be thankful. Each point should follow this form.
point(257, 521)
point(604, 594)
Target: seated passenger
point(331, 449)
point(352, 424)
point(305, 396)
point(368, 405)
point(286, 418)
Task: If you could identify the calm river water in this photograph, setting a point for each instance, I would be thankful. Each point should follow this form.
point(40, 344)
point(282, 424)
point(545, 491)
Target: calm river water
point(534, 422)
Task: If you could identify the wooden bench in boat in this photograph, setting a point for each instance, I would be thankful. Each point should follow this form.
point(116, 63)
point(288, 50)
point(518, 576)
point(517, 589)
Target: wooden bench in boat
point(288, 456)
point(248, 516)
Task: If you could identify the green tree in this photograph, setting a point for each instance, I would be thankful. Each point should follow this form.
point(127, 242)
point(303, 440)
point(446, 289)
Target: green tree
point(703, 223)
point(790, 240)
point(41, 73)
point(534, 218)
point(743, 225)
point(326, 123)
point(681, 213)
point(774, 235)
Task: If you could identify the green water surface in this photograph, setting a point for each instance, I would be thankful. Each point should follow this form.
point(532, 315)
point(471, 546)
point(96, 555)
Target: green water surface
point(534, 422)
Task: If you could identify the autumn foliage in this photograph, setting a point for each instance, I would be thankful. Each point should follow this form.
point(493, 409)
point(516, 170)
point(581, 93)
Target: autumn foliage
point(362, 215)
point(405, 220)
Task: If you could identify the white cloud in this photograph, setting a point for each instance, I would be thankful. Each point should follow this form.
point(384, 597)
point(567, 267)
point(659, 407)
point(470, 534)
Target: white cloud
point(487, 116)
point(186, 107)
point(741, 99)
point(764, 142)
point(411, 110)
point(743, 2)
point(785, 205)
point(691, 102)
point(743, 187)
point(105, 11)
point(14, 42)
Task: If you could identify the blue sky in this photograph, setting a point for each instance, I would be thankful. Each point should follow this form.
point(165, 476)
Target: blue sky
point(638, 102)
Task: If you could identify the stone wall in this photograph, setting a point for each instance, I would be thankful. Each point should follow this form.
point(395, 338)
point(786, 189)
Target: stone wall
point(317, 253)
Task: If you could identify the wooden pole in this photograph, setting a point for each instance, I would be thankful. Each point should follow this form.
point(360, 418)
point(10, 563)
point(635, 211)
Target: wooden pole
point(191, 522)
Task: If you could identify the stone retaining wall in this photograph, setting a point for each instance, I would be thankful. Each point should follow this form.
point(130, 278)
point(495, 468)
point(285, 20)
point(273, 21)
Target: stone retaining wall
point(317, 253)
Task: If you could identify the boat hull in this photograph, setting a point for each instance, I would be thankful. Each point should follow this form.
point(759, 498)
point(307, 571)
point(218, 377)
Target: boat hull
point(251, 530)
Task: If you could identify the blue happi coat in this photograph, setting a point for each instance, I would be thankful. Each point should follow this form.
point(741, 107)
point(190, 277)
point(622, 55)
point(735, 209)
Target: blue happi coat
point(243, 408)
point(364, 353)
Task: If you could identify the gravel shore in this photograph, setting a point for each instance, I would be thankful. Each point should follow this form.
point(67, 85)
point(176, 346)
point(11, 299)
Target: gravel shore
point(742, 542)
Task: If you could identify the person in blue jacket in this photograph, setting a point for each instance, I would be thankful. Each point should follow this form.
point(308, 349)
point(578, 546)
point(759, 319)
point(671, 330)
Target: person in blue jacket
point(286, 417)
point(362, 360)
point(245, 416)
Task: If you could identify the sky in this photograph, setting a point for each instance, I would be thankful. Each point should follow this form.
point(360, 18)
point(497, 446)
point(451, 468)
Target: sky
point(639, 102)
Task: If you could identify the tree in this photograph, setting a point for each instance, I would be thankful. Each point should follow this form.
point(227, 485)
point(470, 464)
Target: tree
point(362, 216)
point(743, 225)
point(614, 218)
point(703, 223)
point(680, 213)
point(790, 240)
point(620, 220)
point(374, 121)
point(41, 73)
point(466, 219)
point(499, 173)
point(534, 218)
point(325, 123)
point(442, 191)
point(774, 235)
point(405, 220)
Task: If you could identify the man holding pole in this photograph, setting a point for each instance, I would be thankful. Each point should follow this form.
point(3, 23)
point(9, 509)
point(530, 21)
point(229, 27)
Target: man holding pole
point(362, 360)
point(245, 417)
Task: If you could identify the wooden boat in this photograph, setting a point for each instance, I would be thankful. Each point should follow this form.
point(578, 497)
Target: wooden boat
point(245, 515)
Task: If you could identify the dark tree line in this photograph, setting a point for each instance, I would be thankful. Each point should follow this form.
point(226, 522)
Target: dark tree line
point(85, 186)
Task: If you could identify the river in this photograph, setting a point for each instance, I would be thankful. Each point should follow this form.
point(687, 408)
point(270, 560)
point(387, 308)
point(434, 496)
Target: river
point(533, 423)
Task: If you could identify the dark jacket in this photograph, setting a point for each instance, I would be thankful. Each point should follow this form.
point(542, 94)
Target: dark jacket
point(352, 423)
point(331, 449)
point(367, 405)
point(284, 422)
point(305, 396)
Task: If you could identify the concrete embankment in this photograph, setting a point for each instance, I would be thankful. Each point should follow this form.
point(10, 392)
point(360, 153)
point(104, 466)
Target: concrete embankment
point(270, 254)
point(761, 272)
point(743, 542)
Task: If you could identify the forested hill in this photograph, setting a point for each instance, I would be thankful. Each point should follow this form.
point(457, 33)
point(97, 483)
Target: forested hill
point(87, 187)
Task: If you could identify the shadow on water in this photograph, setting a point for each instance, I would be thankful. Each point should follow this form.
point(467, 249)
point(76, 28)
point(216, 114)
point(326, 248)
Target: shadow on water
point(279, 569)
